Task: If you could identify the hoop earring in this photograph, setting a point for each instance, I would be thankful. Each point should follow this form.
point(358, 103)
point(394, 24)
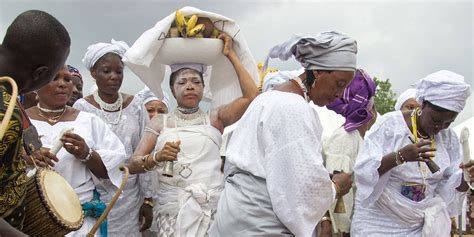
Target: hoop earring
point(419, 112)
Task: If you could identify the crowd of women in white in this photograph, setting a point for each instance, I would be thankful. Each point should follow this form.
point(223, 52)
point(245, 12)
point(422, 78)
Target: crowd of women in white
point(281, 178)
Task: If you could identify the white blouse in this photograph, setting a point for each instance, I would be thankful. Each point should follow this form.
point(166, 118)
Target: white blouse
point(279, 139)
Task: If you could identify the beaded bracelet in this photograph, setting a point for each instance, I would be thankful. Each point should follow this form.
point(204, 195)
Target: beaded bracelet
point(88, 157)
point(144, 166)
point(401, 156)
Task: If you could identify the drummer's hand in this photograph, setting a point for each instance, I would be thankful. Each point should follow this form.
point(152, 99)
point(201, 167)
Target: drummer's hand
point(469, 167)
point(344, 182)
point(75, 145)
point(44, 158)
point(228, 44)
point(326, 229)
point(8, 230)
point(169, 152)
point(420, 151)
point(145, 216)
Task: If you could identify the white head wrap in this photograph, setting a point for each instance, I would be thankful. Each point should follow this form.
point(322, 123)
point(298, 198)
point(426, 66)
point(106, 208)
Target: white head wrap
point(146, 96)
point(406, 95)
point(444, 89)
point(273, 79)
point(329, 50)
point(195, 66)
point(96, 51)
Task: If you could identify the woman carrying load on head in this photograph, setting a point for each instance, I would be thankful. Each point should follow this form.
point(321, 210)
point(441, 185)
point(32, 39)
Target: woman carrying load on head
point(191, 138)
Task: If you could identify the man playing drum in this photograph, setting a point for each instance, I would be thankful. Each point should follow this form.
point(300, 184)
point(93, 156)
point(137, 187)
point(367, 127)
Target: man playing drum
point(34, 48)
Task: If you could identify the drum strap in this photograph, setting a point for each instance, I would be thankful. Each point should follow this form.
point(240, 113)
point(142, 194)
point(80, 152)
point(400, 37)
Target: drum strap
point(94, 208)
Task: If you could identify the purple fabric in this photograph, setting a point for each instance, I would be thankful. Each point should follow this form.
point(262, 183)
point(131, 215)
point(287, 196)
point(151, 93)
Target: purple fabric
point(74, 71)
point(355, 102)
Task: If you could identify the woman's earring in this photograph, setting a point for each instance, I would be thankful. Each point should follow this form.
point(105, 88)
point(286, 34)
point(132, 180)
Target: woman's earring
point(418, 112)
point(314, 83)
point(36, 95)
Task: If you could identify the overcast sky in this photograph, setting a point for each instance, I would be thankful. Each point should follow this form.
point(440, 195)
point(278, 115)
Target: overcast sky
point(400, 40)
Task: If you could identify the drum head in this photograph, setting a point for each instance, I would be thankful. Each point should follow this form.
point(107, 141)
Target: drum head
point(61, 198)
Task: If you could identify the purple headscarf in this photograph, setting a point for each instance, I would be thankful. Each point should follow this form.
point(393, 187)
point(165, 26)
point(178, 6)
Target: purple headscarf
point(74, 72)
point(356, 103)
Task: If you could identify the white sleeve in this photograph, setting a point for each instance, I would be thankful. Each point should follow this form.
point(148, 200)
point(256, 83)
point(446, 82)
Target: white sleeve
point(110, 149)
point(452, 175)
point(378, 142)
point(340, 151)
point(144, 179)
point(81, 105)
point(298, 184)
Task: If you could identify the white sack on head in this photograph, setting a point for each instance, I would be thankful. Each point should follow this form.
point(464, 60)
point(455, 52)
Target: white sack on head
point(223, 86)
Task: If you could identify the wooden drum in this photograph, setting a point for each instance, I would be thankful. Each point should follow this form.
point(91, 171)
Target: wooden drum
point(52, 206)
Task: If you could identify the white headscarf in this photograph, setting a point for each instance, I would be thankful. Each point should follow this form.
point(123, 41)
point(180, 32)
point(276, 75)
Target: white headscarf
point(195, 66)
point(445, 89)
point(329, 50)
point(273, 79)
point(146, 95)
point(406, 95)
point(96, 51)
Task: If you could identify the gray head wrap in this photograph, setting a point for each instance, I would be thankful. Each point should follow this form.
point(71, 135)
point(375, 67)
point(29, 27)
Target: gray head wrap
point(330, 50)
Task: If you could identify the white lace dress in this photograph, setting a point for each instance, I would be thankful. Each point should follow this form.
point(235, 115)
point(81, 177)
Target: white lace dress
point(92, 130)
point(188, 200)
point(380, 208)
point(131, 121)
point(340, 153)
point(278, 139)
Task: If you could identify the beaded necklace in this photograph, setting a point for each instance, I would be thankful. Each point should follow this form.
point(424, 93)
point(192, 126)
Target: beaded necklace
point(183, 120)
point(117, 105)
point(50, 110)
point(302, 88)
point(52, 119)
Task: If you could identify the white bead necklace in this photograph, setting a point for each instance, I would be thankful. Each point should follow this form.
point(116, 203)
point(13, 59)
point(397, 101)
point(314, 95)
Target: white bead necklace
point(106, 106)
point(117, 105)
point(50, 110)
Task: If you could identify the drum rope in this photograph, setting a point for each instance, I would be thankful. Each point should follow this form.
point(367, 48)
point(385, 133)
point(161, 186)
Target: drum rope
point(102, 217)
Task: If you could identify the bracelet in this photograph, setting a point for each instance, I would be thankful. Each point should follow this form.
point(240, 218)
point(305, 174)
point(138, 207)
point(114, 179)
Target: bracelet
point(88, 157)
point(325, 218)
point(144, 165)
point(401, 156)
point(154, 158)
point(149, 203)
point(397, 158)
